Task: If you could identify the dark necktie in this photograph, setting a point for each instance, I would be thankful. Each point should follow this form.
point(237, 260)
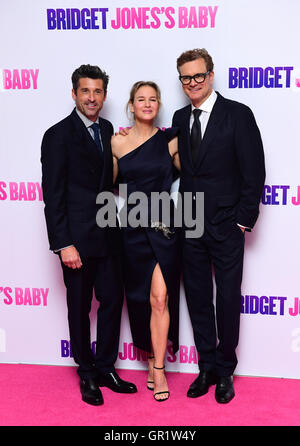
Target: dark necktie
point(196, 135)
point(95, 128)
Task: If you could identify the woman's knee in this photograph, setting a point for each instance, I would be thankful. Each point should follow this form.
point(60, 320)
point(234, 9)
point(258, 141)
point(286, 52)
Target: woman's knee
point(158, 301)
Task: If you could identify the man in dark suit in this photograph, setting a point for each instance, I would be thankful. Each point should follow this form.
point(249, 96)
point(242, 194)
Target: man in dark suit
point(76, 165)
point(221, 155)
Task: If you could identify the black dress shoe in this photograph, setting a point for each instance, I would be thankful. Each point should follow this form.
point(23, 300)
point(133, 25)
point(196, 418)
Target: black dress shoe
point(201, 384)
point(91, 394)
point(224, 389)
point(115, 383)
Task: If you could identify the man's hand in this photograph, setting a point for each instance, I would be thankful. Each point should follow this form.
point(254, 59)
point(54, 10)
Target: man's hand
point(123, 131)
point(242, 228)
point(71, 258)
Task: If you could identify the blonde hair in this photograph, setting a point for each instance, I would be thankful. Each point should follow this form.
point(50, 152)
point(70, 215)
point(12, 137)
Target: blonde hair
point(140, 84)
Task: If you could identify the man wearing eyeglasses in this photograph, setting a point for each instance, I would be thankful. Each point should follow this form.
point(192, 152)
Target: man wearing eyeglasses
point(221, 154)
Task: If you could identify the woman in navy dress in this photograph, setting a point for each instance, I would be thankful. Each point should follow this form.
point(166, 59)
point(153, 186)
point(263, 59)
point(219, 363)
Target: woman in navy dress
point(144, 160)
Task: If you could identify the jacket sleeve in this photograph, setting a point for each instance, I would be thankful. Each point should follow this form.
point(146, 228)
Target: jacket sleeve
point(174, 120)
point(250, 154)
point(54, 184)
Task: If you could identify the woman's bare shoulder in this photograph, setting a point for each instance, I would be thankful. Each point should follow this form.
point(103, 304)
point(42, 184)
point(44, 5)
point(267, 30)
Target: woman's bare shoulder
point(120, 139)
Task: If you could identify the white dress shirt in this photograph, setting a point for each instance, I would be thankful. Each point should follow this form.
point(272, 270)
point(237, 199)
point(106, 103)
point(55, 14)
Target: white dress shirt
point(206, 108)
point(88, 123)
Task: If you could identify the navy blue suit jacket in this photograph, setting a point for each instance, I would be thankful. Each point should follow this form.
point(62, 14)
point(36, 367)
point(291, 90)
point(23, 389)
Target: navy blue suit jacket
point(73, 173)
point(230, 168)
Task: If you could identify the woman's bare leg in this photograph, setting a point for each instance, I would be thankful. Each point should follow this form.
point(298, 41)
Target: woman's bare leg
point(159, 326)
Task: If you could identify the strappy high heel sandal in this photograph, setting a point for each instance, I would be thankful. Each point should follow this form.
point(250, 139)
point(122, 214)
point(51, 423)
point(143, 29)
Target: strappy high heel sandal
point(150, 382)
point(164, 391)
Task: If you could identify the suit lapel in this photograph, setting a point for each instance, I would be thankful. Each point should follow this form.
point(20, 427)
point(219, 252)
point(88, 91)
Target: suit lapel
point(85, 141)
point(107, 155)
point(186, 116)
point(216, 117)
point(105, 138)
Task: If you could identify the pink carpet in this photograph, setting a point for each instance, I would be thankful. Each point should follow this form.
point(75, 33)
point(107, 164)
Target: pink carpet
point(32, 395)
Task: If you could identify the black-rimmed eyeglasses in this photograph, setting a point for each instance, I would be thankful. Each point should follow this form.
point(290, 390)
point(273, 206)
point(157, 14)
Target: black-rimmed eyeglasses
point(199, 78)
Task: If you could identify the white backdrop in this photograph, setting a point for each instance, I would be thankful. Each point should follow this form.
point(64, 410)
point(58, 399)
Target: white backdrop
point(254, 40)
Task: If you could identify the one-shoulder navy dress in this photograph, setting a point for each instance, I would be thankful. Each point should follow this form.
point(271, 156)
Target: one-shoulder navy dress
point(147, 169)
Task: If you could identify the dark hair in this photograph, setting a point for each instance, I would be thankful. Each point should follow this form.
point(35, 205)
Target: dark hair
point(91, 71)
point(197, 53)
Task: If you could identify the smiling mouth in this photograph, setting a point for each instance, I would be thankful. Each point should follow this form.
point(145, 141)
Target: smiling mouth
point(196, 88)
point(91, 106)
